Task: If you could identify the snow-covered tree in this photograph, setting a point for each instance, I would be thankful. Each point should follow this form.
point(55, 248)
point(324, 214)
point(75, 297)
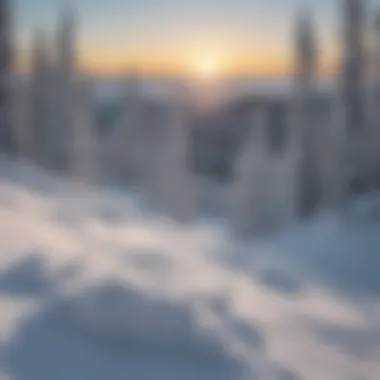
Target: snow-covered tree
point(125, 148)
point(22, 119)
point(251, 190)
point(7, 132)
point(85, 144)
point(309, 191)
point(374, 104)
point(284, 176)
point(174, 185)
point(352, 92)
point(65, 78)
point(333, 155)
point(41, 97)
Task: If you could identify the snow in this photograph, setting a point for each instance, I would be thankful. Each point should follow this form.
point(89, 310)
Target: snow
point(94, 286)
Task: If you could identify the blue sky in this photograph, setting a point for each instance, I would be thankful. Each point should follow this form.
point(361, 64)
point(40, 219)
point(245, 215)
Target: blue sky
point(113, 32)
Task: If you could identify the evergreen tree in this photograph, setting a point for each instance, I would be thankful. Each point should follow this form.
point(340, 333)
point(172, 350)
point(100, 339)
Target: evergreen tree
point(85, 149)
point(65, 89)
point(353, 97)
point(375, 103)
point(309, 188)
point(251, 190)
point(7, 137)
point(175, 182)
point(40, 97)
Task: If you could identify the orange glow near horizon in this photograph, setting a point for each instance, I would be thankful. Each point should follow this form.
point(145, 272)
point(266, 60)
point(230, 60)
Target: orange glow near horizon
point(201, 68)
point(200, 54)
point(196, 65)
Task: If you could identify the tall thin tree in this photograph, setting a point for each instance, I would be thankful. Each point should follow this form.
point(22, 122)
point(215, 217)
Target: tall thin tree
point(7, 139)
point(309, 191)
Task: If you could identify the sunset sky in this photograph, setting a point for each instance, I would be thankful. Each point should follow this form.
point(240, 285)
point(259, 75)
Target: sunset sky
point(179, 36)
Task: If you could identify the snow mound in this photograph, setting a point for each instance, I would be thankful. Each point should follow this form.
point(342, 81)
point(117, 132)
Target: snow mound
point(120, 312)
point(94, 287)
point(26, 277)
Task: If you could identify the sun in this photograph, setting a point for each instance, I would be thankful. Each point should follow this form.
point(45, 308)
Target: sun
point(207, 67)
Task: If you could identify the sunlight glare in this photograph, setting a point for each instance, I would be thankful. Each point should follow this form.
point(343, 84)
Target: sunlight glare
point(207, 67)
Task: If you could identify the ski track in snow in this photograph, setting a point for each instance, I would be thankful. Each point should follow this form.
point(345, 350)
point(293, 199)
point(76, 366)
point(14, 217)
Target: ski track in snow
point(92, 286)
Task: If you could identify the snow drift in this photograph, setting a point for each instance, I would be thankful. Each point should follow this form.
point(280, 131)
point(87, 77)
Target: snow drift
point(93, 286)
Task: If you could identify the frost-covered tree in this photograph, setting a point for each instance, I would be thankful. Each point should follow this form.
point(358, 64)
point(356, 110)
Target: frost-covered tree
point(85, 153)
point(65, 78)
point(284, 176)
point(375, 103)
point(41, 97)
point(353, 70)
point(309, 191)
point(333, 155)
point(353, 97)
point(125, 147)
point(175, 183)
point(22, 119)
point(7, 132)
point(251, 190)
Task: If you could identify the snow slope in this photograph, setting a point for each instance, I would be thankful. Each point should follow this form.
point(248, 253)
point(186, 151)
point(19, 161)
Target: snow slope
point(93, 286)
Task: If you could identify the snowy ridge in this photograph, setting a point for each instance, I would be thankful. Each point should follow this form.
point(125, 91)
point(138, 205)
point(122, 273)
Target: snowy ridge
point(94, 287)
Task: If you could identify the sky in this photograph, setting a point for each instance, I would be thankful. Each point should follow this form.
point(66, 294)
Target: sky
point(228, 37)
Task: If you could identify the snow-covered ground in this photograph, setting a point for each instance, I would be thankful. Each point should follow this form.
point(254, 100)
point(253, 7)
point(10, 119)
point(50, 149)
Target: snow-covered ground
point(93, 286)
